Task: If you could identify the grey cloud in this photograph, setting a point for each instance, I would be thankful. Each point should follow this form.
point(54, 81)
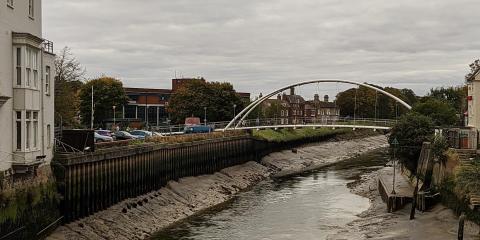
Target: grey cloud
point(259, 45)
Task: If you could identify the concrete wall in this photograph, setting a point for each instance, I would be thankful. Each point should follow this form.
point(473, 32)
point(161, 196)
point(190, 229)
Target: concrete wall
point(16, 19)
point(473, 104)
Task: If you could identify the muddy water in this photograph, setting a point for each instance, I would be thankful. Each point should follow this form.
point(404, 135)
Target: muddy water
point(308, 206)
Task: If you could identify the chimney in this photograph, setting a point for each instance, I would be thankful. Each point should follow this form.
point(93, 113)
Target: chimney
point(279, 97)
point(284, 96)
point(316, 97)
point(325, 98)
point(292, 91)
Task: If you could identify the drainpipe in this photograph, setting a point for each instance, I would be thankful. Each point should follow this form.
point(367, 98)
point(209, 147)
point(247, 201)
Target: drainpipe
point(42, 95)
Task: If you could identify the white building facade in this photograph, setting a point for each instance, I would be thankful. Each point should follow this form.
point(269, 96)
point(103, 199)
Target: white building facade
point(26, 88)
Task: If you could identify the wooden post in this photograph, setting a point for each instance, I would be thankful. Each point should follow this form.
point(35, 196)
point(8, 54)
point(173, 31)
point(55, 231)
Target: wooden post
point(414, 201)
point(461, 225)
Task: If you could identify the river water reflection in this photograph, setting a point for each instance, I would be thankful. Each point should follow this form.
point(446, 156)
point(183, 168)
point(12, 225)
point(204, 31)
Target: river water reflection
point(308, 206)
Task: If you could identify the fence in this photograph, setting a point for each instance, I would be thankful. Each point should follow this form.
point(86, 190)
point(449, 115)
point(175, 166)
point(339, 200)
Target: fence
point(94, 181)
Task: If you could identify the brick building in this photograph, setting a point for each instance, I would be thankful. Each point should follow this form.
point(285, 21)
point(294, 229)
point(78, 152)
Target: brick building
point(294, 109)
point(151, 103)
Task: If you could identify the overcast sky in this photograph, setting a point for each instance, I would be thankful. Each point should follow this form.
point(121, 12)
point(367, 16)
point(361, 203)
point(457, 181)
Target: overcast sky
point(262, 44)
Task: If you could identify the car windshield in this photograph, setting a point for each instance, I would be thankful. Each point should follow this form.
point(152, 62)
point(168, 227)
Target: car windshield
point(140, 133)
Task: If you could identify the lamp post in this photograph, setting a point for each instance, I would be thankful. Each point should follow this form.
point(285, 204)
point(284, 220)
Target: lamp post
point(234, 108)
point(395, 144)
point(114, 124)
point(205, 116)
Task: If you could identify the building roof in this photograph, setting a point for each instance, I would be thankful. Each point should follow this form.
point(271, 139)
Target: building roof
point(294, 98)
point(146, 90)
point(322, 104)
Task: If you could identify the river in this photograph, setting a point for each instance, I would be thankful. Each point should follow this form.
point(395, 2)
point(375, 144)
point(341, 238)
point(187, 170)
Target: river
point(307, 206)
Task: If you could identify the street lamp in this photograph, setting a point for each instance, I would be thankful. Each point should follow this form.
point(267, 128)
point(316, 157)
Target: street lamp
point(205, 116)
point(395, 144)
point(114, 114)
point(234, 107)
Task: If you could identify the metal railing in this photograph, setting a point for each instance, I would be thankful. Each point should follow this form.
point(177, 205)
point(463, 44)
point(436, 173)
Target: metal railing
point(287, 121)
point(48, 46)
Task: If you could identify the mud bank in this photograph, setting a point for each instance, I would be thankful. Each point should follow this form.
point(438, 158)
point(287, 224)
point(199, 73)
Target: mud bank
point(315, 156)
point(139, 217)
point(439, 223)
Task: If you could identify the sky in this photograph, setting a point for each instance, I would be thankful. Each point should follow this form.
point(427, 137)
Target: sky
point(260, 45)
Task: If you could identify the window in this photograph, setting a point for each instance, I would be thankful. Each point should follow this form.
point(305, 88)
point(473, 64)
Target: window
point(35, 129)
point(27, 128)
point(31, 67)
point(10, 3)
point(49, 135)
point(47, 80)
point(18, 127)
point(19, 66)
point(31, 12)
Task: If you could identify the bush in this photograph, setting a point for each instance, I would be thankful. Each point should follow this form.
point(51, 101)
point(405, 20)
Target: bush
point(411, 131)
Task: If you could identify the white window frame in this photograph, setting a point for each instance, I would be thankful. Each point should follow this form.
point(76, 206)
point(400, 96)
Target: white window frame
point(18, 129)
point(28, 130)
point(31, 9)
point(35, 129)
point(48, 75)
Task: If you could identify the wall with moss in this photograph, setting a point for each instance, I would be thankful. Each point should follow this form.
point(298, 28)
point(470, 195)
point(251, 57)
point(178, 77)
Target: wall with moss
point(28, 206)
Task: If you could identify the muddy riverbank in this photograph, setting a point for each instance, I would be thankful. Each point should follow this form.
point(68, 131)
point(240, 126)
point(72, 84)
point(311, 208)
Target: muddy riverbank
point(438, 223)
point(139, 217)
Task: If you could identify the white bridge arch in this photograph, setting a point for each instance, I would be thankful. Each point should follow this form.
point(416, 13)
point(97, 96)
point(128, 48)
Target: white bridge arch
point(240, 117)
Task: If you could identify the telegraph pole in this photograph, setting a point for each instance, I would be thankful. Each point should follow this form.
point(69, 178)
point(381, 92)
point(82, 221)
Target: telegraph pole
point(91, 117)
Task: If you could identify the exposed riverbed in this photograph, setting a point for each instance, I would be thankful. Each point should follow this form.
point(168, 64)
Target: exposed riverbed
point(307, 206)
point(139, 217)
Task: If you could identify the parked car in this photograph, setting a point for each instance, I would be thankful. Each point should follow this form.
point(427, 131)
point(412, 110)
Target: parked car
point(107, 133)
point(123, 135)
point(141, 134)
point(198, 129)
point(101, 138)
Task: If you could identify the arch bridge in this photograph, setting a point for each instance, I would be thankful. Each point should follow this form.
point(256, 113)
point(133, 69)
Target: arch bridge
point(239, 121)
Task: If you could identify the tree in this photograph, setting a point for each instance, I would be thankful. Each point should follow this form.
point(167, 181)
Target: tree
point(191, 99)
point(107, 92)
point(370, 103)
point(411, 130)
point(69, 76)
point(439, 111)
point(454, 96)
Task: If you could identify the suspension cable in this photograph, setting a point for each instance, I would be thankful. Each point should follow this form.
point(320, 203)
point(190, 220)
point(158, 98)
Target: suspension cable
point(355, 108)
point(376, 102)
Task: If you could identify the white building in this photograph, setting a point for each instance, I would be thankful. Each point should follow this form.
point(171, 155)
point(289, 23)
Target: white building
point(26, 88)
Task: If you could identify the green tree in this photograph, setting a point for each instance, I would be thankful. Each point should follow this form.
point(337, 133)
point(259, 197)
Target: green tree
point(370, 103)
point(273, 110)
point(69, 76)
point(439, 111)
point(411, 130)
point(107, 92)
point(454, 96)
point(191, 99)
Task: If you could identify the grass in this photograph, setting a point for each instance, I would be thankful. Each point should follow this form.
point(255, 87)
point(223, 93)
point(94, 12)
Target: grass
point(288, 135)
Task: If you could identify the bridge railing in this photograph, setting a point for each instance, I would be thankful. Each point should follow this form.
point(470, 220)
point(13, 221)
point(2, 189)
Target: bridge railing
point(317, 121)
point(177, 129)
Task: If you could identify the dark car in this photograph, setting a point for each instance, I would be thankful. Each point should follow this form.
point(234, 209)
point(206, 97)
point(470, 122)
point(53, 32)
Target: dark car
point(122, 135)
point(107, 133)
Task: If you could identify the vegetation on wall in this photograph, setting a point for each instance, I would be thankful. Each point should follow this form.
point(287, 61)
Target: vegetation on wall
point(28, 209)
point(288, 135)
